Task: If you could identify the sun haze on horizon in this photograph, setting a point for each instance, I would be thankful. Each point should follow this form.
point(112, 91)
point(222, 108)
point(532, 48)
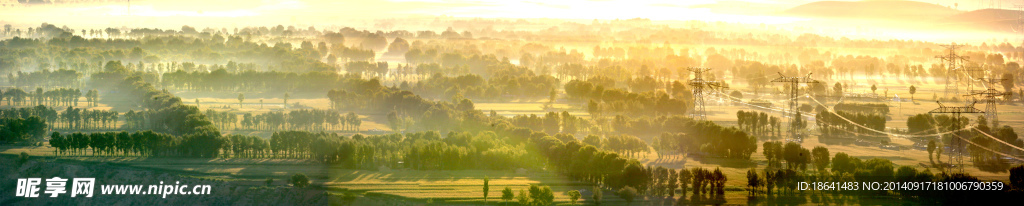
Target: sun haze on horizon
point(325, 12)
point(167, 14)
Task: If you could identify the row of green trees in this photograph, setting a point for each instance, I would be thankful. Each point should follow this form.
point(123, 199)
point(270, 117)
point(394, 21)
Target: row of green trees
point(625, 144)
point(244, 146)
point(45, 78)
point(506, 82)
point(302, 119)
point(551, 122)
point(189, 130)
point(80, 119)
point(257, 81)
point(473, 62)
point(538, 195)
point(421, 150)
point(15, 130)
point(758, 123)
point(983, 134)
point(611, 100)
point(683, 135)
point(366, 67)
point(835, 124)
point(141, 143)
point(794, 155)
point(55, 97)
point(207, 48)
point(67, 119)
point(868, 108)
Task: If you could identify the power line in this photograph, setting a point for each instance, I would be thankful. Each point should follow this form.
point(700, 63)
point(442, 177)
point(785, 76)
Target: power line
point(850, 121)
point(794, 89)
point(989, 98)
point(700, 87)
point(952, 60)
point(777, 109)
point(982, 147)
point(829, 109)
point(956, 111)
point(905, 136)
point(953, 132)
point(998, 140)
point(883, 132)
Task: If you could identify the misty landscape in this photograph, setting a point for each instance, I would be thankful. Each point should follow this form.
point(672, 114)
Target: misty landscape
point(579, 102)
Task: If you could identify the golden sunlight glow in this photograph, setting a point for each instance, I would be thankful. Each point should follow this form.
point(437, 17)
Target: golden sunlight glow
point(363, 14)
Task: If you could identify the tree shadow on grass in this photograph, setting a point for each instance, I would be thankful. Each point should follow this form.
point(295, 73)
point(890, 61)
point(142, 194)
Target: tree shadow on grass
point(726, 162)
point(993, 167)
point(890, 158)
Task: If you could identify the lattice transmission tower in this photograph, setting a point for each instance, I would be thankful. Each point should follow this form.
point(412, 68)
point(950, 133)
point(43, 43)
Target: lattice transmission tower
point(794, 93)
point(701, 89)
point(953, 63)
point(989, 97)
point(957, 144)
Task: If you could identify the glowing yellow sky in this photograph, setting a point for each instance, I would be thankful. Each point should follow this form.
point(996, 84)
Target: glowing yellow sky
point(327, 11)
point(172, 14)
point(324, 12)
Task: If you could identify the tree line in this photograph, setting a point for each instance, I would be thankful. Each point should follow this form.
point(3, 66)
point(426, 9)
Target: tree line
point(509, 84)
point(984, 159)
point(251, 80)
point(67, 119)
point(45, 78)
point(587, 163)
point(305, 119)
point(420, 150)
point(758, 123)
point(54, 97)
point(551, 122)
point(198, 136)
point(140, 143)
point(611, 100)
point(867, 108)
point(366, 67)
point(202, 48)
point(683, 135)
point(16, 130)
point(81, 119)
point(835, 124)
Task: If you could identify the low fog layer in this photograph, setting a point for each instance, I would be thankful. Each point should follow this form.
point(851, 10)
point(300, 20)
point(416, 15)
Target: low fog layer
point(946, 25)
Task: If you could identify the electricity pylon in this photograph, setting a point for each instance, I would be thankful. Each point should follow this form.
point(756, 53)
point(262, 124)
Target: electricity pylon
point(700, 87)
point(957, 143)
point(988, 96)
point(794, 92)
point(953, 62)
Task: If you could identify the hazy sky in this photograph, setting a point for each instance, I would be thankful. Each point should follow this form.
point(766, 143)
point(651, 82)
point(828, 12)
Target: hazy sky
point(172, 14)
point(324, 12)
point(262, 12)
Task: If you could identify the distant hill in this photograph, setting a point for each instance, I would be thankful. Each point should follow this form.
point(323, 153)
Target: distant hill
point(873, 10)
point(988, 19)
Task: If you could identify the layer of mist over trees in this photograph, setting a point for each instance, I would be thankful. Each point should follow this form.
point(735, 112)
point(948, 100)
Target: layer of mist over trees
point(632, 85)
